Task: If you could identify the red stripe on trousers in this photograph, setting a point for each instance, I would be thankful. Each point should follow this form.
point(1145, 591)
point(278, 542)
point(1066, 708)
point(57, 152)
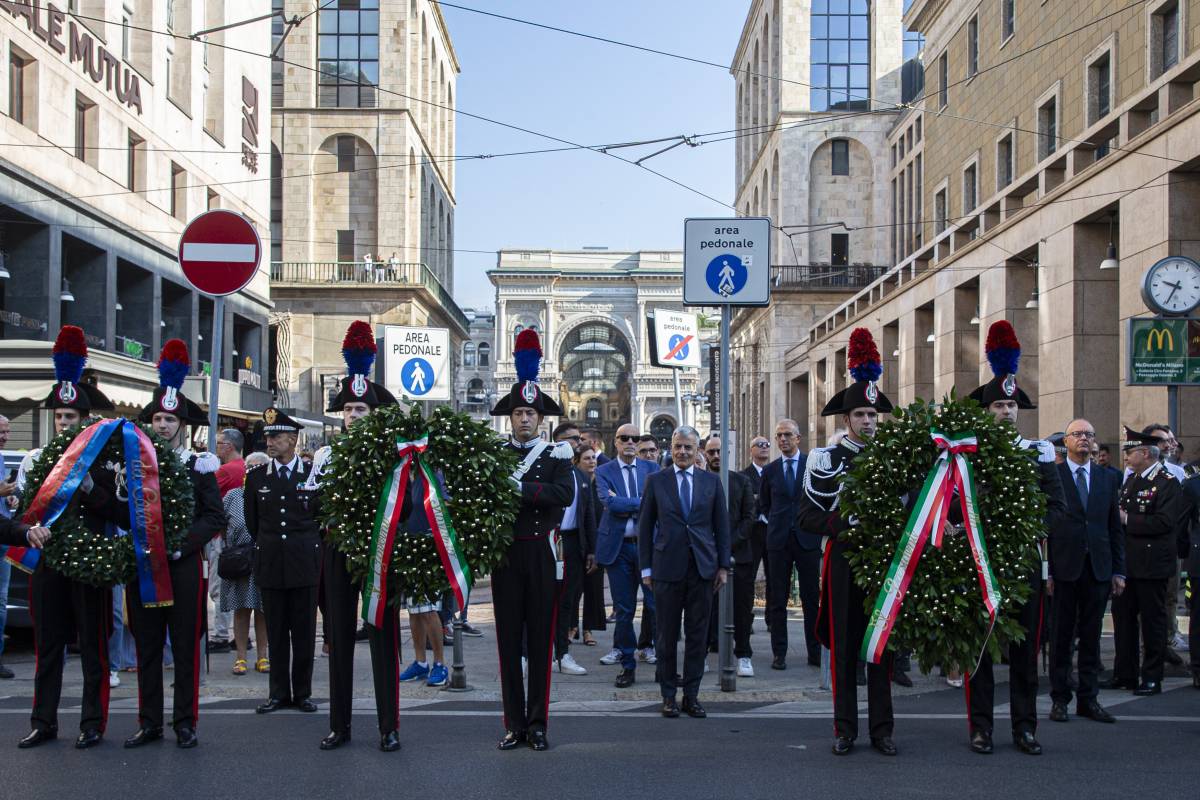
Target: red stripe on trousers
point(201, 612)
point(828, 591)
point(550, 655)
point(966, 679)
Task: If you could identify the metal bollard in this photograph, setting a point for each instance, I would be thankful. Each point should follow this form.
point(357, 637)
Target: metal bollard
point(458, 670)
point(725, 643)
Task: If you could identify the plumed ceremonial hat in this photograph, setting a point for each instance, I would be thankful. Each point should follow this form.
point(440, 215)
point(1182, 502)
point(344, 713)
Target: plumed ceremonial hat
point(358, 351)
point(1004, 356)
point(862, 356)
point(174, 364)
point(526, 393)
point(70, 391)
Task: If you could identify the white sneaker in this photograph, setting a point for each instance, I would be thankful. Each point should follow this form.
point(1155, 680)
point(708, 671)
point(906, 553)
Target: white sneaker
point(647, 655)
point(613, 657)
point(1178, 642)
point(568, 666)
point(114, 679)
point(745, 668)
point(706, 666)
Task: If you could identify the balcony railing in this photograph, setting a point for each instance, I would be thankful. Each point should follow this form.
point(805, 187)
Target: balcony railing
point(362, 273)
point(825, 277)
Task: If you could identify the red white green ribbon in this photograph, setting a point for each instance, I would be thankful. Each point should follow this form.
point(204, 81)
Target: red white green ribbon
point(952, 471)
point(387, 519)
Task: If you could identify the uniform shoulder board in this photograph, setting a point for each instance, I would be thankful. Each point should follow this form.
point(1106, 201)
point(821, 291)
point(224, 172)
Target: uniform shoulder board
point(1045, 451)
point(819, 460)
point(206, 463)
point(256, 467)
point(563, 450)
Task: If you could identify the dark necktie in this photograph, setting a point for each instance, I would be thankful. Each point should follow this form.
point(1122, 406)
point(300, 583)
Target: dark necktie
point(283, 471)
point(685, 495)
point(1081, 484)
point(630, 480)
point(790, 475)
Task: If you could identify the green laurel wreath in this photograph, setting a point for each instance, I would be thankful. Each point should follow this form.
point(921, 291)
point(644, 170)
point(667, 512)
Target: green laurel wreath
point(480, 497)
point(943, 619)
point(95, 558)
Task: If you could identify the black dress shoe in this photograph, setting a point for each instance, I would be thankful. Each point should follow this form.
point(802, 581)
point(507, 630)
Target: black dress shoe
point(89, 738)
point(1147, 688)
point(512, 740)
point(1027, 743)
point(901, 678)
point(1116, 683)
point(842, 745)
point(144, 736)
point(388, 743)
point(335, 739)
point(38, 736)
point(691, 706)
point(185, 738)
point(779, 662)
point(1058, 712)
point(307, 706)
point(624, 679)
point(670, 709)
point(1092, 710)
point(981, 742)
point(538, 741)
point(884, 744)
point(272, 705)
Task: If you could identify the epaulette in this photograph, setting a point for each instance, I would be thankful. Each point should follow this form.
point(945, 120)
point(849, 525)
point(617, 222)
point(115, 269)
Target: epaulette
point(256, 467)
point(1044, 449)
point(563, 450)
point(206, 463)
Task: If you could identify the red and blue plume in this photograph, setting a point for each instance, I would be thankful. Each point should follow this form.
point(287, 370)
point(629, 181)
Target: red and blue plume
point(358, 348)
point(69, 354)
point(862, 356)
point(173, 364)
point(528, 355)
point(1003, 348)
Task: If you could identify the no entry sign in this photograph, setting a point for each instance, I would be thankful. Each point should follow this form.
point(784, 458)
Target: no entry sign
point(219, 252)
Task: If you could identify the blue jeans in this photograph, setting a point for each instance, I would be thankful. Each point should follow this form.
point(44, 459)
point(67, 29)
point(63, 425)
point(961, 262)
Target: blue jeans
point(122, 653)
point(5, 575)
point(624, 575)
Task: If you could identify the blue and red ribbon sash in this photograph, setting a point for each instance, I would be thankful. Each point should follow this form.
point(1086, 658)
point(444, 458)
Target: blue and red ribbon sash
point(145, 506)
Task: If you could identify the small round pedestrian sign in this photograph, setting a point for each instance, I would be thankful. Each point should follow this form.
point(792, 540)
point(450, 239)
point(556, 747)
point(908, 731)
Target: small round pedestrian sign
point(677, 347)
point(726, 275)
point(417, 376)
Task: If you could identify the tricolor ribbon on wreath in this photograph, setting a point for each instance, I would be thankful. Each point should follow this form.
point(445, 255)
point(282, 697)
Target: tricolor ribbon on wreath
point(387, 518)
point(145, 507)
point(951, 472)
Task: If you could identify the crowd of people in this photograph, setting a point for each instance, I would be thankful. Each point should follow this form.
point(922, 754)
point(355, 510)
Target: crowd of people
point(659, 526)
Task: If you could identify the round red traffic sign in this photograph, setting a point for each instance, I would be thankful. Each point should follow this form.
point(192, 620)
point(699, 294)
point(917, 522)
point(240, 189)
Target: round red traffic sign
point(219, 252)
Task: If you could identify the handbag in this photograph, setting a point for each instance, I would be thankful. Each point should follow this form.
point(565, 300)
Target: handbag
point(236, 562)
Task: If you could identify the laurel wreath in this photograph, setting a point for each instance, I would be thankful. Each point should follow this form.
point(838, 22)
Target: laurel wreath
point(943, 620)
point(480, 498)
point(96, 558)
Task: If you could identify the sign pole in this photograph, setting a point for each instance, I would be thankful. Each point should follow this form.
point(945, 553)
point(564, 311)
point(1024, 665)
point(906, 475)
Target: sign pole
point(725, 645)
point(215, 359)
point(678, 399)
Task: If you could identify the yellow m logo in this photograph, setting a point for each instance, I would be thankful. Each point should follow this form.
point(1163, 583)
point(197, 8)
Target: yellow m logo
point(1162, 336)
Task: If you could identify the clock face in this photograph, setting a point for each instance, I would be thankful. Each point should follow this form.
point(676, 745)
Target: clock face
point(1172, 286)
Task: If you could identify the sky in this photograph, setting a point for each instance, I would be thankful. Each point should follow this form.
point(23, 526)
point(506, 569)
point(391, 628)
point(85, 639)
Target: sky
point(590, 93)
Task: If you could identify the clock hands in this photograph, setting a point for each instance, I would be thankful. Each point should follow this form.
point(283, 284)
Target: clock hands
point(1175, 287)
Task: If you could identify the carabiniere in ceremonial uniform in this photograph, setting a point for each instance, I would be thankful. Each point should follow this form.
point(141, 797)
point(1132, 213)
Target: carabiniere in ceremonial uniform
point(357, 397)
point(525, 589)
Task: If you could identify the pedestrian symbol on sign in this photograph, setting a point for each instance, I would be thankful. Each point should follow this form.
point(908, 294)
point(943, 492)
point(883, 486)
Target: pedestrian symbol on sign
point(677, 347)
point(726, 275)
point(417, 376)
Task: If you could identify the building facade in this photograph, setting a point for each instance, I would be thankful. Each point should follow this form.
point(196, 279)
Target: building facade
point(817, 88)
point(475, 374)
point(362, 189)
point(1046, 134)
point(589, 308)
point(118, 130)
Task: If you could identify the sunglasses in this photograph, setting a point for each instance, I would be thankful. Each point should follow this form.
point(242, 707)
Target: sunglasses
point(623, 438)
point(762, 444)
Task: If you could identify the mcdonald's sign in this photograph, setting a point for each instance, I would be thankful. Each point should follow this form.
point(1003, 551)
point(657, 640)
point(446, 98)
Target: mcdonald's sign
point(1163, 351)
point(1159, 340)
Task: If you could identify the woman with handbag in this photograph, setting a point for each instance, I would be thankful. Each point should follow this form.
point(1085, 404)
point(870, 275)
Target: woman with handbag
point(236, 570)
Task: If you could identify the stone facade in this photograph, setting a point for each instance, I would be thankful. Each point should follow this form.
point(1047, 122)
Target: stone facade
point(475, 376)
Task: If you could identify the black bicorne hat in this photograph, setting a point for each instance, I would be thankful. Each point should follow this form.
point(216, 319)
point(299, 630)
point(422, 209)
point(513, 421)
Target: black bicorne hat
point(70, 391)
point(866, 369)
point(173, 366)
point(358, 351)
point(1004, 355)
point(526, 393)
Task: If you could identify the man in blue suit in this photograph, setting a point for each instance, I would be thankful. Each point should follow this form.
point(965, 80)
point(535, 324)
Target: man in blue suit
point(683, 544)
point(620, 484)
point(788, 546)
point(1087, 561)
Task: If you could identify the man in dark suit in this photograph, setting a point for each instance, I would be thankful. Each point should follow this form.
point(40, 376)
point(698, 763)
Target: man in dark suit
point(741, 521)
point(683, 548)
point(746, 576)
point(281, 516)
point(789, 546)
point(592, 436)
point(578, 535)
point(1087, 560)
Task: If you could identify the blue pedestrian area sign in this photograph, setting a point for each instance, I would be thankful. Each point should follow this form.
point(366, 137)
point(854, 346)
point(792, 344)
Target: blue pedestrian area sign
point(416, 362)
point(727, 262)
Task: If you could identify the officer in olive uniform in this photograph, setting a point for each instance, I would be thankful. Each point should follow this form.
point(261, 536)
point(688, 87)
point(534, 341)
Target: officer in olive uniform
point(525, 589)
point(64, 608)
point(357, 397)
point(1152, 504)
point(1002, 397)
point(842, 620)
point(281, 515)
point(170, 413)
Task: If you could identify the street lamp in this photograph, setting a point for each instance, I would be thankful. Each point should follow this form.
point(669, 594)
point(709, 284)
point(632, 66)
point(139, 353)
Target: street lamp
point(4, 266)
point(65, 295)
point(1110, 258)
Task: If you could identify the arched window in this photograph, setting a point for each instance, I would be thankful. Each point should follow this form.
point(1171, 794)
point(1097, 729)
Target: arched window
point(485, 354)
point(469, 354)
point(592, 413)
